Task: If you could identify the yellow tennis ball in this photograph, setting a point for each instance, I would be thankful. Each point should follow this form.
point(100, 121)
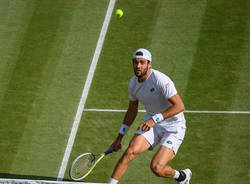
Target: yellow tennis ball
point(119, 13)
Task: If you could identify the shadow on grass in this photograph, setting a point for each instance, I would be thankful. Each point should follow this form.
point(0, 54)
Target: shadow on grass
point(28, 177)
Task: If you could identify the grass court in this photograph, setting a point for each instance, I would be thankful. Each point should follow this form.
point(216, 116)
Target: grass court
point(46, 49)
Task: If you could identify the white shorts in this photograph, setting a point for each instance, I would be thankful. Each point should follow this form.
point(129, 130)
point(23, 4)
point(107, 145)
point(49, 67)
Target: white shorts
point(171, 137)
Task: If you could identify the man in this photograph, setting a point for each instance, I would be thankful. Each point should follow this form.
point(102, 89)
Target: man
point(164, 122)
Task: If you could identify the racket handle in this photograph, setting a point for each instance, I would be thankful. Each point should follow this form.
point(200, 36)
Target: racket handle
point(110, 150)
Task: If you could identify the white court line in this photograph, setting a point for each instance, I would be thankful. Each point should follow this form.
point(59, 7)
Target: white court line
point(86, 90)
point(186, 111)
point(28, 181)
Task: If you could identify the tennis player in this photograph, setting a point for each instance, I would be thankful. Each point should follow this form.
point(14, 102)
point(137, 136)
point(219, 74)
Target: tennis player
point(163, 123)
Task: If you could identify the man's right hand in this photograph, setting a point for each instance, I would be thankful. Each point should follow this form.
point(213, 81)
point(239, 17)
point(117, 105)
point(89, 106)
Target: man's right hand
point(117, 143)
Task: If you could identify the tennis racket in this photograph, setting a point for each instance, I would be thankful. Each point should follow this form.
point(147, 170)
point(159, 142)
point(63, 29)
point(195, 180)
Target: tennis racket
point(82, 166)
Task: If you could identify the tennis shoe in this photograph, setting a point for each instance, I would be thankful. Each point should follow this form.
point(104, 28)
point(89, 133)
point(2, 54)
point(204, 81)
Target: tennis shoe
point(188, 173)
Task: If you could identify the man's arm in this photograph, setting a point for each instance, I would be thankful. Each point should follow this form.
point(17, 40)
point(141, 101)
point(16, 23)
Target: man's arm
point(131, 113)
point(177, 107)
point(128, 120)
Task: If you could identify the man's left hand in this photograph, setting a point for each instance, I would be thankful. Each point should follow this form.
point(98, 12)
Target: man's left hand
point(147, 125)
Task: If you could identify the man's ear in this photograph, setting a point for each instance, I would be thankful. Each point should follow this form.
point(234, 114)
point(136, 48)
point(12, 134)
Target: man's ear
point(150, 63)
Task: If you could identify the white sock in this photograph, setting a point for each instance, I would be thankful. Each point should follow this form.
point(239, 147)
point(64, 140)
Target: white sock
point(112, 181)
point(177, 174)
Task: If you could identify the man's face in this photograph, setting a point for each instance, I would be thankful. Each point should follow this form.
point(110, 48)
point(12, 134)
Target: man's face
point(141, 66)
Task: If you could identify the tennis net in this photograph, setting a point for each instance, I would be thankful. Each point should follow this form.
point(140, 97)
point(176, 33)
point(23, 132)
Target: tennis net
point(26, 181)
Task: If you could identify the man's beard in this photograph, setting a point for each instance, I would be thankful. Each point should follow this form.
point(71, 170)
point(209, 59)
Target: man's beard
point(141, 73)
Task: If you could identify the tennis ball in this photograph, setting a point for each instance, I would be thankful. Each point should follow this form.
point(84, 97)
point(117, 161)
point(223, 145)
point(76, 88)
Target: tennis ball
point(119, 13)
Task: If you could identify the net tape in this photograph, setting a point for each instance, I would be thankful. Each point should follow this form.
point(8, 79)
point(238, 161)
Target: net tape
point(26, 181)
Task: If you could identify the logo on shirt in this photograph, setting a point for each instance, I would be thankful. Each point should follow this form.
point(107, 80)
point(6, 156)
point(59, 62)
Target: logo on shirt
point(169, 142)
point(167, 85)
point(152, 89)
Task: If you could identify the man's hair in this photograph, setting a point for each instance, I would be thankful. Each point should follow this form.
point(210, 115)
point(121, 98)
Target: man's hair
point(142, 53)
point(139, 53)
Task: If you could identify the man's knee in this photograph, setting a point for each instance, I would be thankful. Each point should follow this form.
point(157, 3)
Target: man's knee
point(129, 154)
point(156, 168)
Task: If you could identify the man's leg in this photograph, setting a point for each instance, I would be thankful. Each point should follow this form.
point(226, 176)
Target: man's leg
point(138, 145)
point(160, 167)
point(159, 163)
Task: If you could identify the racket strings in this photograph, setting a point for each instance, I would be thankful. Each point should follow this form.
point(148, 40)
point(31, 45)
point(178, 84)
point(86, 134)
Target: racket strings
point(83, 165)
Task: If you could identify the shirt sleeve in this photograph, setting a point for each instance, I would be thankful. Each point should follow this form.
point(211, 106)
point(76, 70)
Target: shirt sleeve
point(132, 96)
point(167, 87)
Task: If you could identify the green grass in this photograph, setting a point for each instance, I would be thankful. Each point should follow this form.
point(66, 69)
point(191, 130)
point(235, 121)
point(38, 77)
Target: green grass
point(44, 70)
point(219, 63)
point(46, 49)
point(214, 146)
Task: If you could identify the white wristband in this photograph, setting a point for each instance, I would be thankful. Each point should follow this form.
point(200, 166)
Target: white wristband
point(158, 117)
point(124, 128)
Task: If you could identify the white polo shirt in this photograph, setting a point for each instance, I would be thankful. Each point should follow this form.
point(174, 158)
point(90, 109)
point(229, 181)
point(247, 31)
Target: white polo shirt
point(154, 93)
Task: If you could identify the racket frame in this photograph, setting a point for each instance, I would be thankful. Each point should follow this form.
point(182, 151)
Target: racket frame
point(101, 155)
point(91, 168)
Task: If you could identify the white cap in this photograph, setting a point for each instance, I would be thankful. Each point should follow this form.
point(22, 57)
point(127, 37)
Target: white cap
point(145, 54)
